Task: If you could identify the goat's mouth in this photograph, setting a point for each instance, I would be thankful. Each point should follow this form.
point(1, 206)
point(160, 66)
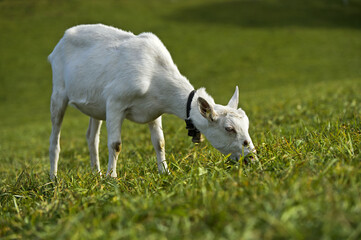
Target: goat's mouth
point(251, 157)
point(248, 159)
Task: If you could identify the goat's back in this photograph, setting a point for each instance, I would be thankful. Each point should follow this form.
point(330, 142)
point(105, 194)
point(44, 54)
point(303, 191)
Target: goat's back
point(82, 37)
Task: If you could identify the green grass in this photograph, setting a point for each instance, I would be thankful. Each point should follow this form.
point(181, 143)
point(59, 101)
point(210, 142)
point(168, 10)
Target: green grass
point(298, 66)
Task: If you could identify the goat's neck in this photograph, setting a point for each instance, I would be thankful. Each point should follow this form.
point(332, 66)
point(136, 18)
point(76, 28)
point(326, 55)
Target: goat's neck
point(178, 107)
point(176, 97)
point(178, 103)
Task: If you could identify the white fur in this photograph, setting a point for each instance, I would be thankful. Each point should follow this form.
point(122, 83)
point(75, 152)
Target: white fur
point(109, 74)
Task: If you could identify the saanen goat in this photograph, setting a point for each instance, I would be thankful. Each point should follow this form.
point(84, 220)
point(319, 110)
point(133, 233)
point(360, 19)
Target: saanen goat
point(111, 75)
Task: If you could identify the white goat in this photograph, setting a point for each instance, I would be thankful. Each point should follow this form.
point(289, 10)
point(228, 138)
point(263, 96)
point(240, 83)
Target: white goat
point(110, 75)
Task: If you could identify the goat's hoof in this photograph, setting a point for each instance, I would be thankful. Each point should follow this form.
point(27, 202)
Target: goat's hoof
point(53, 177)
point(112, 175)
point(165, 172)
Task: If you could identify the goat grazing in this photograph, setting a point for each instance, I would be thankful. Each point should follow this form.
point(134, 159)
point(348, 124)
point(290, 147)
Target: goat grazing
point(112, 75)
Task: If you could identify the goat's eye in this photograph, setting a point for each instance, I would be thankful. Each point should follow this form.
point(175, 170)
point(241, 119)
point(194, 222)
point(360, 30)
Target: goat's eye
point(230, 129)
point(245, 143)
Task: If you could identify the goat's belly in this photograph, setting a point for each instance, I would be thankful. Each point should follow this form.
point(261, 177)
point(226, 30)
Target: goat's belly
point(141, 115)
point(94, 110)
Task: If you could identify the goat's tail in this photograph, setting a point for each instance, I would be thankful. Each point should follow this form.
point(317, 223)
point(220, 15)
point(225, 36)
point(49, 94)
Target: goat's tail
point(57, 50)
point(51, 55)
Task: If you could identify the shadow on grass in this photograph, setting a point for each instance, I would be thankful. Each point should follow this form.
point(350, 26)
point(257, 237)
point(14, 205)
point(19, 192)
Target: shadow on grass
point(275, 13)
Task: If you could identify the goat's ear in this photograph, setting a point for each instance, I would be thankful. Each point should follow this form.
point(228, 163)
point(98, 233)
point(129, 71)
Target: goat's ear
point(233, 103)
point(206, 109)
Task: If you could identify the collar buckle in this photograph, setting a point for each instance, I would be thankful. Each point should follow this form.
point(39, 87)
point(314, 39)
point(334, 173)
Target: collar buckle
point(193, 131)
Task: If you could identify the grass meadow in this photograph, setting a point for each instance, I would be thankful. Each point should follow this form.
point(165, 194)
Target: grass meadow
point(298, 67)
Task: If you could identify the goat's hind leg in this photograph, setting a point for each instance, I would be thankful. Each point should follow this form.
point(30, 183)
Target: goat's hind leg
point(58, 106)
point(157, 137)
point(92, 136)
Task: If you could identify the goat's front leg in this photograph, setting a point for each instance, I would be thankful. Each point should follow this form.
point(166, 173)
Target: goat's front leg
point(114, 122)
point(157, 137)
point(92, 136)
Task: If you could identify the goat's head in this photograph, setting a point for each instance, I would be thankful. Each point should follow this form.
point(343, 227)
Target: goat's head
point(226, 127)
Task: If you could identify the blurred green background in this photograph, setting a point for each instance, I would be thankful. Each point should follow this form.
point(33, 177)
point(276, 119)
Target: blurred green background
point(298, 66)
point(258, 45)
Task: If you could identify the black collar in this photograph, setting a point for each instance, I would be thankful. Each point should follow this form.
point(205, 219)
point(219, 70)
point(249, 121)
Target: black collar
point(192, 130)
point(189, 102)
